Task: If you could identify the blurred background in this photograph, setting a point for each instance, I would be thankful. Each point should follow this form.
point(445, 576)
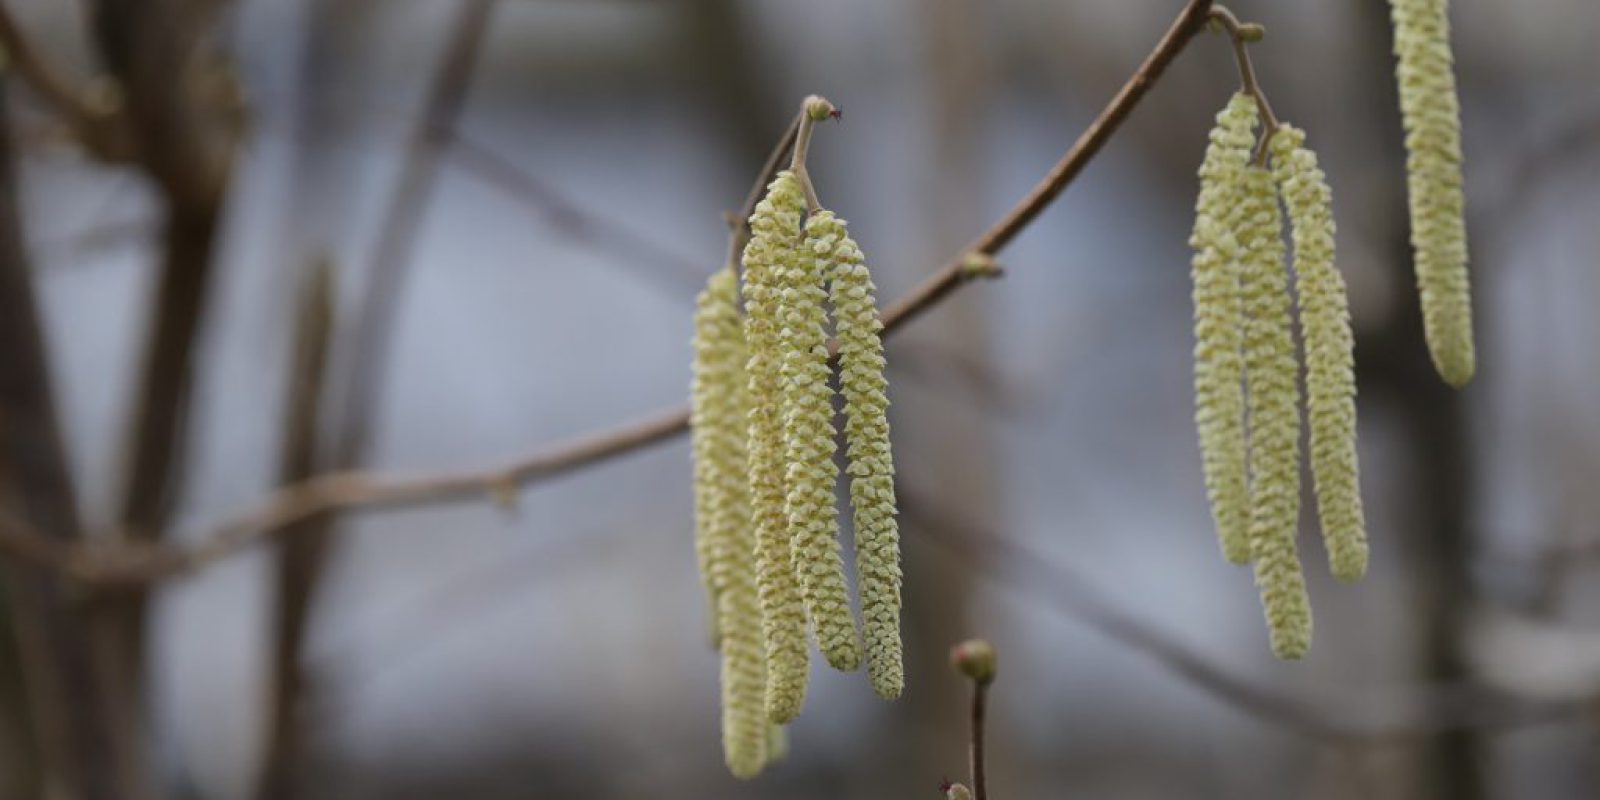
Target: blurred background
point(509, 205)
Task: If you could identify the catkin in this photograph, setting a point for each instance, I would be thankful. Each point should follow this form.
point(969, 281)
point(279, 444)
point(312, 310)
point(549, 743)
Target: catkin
point(775, 230)
point(716, 343)
point(1431, 115)
point(1329, 349)
point(812, 475)
point(871, 464)
point(1218, 325)
point(727, 546)
point(1271, 371)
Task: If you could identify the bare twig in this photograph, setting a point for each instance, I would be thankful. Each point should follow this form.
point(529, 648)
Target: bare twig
point(92, 116)
point(302, 555)
point(77, 749)
point(980, 704)
point(350, 490)
point(633, 251)
point(1242, 34)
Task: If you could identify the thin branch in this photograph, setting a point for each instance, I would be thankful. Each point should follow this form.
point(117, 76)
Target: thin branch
point(1242, 34)
point(91, 115)
point(1015, 566)
point(980, 704)
point(351, 490)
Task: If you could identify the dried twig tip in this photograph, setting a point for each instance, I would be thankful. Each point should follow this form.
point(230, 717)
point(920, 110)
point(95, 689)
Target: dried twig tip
point(818, 108)
point(975, 659)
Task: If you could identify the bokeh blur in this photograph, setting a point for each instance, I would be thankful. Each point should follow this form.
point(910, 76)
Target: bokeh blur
point(517, 200)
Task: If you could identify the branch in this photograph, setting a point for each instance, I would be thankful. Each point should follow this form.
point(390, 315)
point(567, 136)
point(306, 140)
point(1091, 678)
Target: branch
point(352, 490)
point(91, 112)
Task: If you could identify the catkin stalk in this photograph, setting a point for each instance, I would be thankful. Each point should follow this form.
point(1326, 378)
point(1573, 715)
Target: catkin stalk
point(871, 464)
point(1274, 401)
point(775, 230)
point(1330, 353)
point(1431, 115)
point(812, 475)
point(1219, 325)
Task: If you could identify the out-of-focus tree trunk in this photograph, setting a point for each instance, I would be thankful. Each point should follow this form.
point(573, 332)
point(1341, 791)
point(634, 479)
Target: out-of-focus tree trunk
point(944, 451)
point(78, 756)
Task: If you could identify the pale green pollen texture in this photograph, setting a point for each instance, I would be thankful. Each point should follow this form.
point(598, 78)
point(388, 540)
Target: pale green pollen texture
point(1330, 353)
point(1219, 325)
point(775, 230)
point(1274, 401)
point(1431, 115)
point(870, 461)
point(808, 427)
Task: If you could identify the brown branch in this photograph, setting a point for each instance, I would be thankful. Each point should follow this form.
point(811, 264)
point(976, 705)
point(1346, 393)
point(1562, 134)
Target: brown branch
point(80, 753)
point(92, 116)
point(351, 490)
point(303, 552)
point(978, 768)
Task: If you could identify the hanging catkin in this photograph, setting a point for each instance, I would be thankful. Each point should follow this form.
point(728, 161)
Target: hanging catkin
point(715, 346)
point(1329, 349)
point(727, 547)
point(1274, 401)
point(871, 465)
point(775, 230)
point(1431, 115)
point(812, 475)
point(1218, 325)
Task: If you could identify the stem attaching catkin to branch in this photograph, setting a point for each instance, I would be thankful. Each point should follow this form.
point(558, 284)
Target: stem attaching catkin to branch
point(726, 539)
point(775, 230)
point(1274, 401)
point(1431, 114)
point(1329, 353)
point(871, 462)
point(1219, 325)
point(812, 474)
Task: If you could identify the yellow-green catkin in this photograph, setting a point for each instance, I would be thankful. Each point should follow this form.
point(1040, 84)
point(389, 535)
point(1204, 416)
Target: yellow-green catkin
point(1274, 401)
point(718, 359)
point(871, 464)
point(1219, 325)
point(775, 232)
point(812, 474)
point(1431, 114)
point(725, 542)
point(1330, 353)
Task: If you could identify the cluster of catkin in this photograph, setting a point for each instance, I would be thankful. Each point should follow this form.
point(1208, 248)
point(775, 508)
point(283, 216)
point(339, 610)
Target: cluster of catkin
point(763, 421)
point(1247, 387)
point(1431, 115)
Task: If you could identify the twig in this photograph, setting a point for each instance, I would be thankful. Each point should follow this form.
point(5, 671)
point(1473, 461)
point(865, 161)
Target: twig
point(1242, 34)
point(632, 251)
point(303, 553)
point(350, 490)
point(980, 703)
point(1017, 567)
point(79, 753)
point(93, 119)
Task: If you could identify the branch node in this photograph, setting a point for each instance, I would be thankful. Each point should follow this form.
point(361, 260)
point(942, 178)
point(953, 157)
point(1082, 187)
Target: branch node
point(980, 265)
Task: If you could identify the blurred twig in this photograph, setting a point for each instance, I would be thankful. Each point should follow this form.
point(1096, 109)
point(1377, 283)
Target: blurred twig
point(302, 555)
point(348, 490)
point(1020, 568)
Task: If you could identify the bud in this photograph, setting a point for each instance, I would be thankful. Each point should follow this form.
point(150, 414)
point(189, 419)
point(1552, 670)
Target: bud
point(975, 659)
